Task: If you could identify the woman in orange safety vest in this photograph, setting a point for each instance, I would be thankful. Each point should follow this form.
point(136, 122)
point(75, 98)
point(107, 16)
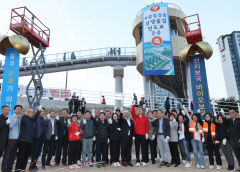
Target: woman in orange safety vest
point(209, 129)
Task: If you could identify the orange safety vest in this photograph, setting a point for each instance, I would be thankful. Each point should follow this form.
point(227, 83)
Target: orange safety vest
point(213, 130)
point(192, 129)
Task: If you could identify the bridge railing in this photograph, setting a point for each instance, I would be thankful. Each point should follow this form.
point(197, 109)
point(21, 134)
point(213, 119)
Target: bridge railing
point(95, 97)
point(79, 55)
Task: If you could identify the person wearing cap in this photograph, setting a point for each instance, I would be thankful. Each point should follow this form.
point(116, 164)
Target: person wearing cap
point(141, 134)
point(89, 130)
point(101, 139)
point(74, 136)
point(212, 143)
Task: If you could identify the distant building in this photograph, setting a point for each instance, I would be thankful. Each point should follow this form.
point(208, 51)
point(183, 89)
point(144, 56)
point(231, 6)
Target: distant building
point(160, 95)
point(229, 47)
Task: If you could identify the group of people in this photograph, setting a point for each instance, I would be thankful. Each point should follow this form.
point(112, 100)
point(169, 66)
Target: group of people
point(82, 140)
point(75, 104)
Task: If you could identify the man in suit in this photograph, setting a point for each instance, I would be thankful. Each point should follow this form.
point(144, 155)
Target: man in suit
point(38, 136)
point(163, 136)
point(127, 136)
point(62, 142)
point(4, 128)
point(50, 137)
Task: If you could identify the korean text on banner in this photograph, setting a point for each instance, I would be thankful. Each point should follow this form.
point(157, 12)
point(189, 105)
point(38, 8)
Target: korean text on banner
point(157, 43)
point(200, 93)
point(10, 79)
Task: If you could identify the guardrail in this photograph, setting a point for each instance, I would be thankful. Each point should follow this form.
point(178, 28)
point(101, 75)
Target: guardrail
point(95, 97)
point(80, 55)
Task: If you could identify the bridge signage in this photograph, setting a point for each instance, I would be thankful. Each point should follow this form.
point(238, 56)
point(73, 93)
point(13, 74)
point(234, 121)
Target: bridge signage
point(157, 44)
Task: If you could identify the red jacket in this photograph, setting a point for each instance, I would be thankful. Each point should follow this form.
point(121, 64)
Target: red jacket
point(75, 128)
point(140, 123)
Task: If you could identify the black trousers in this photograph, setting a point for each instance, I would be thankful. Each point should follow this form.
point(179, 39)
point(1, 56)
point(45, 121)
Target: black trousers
point(83, 110)
point(236, 149)
point(140, 141)
point(126, 149)
point(61, 149)
point(76, 109)
point(37, 149)
point(101, 149)
point(23, 153)
point(48, 150)
point(9, 155)
point(174, 152)
point(80, 150)
point(73, 152)
point(1, 152)
point(155, 147)
point(213, 148)
point(70, 110)
point(115, 150)
point(151, 144)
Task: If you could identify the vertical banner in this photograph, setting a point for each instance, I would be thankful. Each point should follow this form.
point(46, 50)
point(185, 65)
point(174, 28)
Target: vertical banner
point(10, 79)
point(200, 93)
point(157, 43)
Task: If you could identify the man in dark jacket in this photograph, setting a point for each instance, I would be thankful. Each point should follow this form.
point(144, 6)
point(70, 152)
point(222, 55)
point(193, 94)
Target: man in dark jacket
point(163, 136)
point(38, 136)
point(25, 140)
point(70, 105)
point(4, 128)
point(76, 104)
point(234, 124)
point(62, 142)
point(127, 136)
point(50, 137)
point(101, 139)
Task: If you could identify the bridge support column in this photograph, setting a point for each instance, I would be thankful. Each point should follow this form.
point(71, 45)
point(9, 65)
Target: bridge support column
point(118, 73)
point(146, 87)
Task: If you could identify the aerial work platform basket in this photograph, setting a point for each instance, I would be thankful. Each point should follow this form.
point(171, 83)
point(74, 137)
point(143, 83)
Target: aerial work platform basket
point(192, 27)
point(24, 22)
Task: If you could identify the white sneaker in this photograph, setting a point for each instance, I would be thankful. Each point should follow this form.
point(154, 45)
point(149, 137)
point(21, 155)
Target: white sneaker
point(198, 166)
point(138, 164)
point(79, 162)
point(114, 164)
point(76, 166)
point(211, 167)
point(144, 164)
point(202, 167)
point(118, 164)
point(71, 167)
point(187, 165)
point(183, 161)
point(219, 167)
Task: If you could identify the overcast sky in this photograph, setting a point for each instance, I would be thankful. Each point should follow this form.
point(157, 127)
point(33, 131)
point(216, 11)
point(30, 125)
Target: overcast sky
point(89, 24)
